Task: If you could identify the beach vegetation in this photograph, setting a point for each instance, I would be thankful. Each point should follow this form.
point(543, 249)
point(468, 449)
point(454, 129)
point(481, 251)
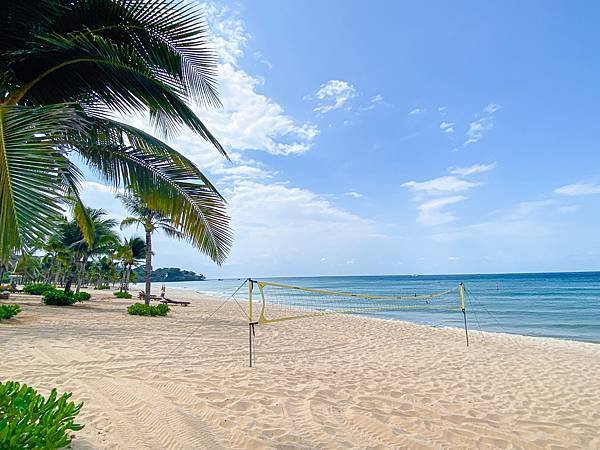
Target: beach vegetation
point(82, 296)
point(141, 309)
point(37, 288)
point(68, 68)
point(58, 298)
point(8, 311)
point(28, 420)
point(122, 294)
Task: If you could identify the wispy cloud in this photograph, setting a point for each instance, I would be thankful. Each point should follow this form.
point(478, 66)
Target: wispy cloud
point(334, 94)
point(471, 170)
point(447, 127)
point(353, 194)
point(432, 212)
point(577, 189)
point(416, 111)
point(480, 126)
point(440, 185)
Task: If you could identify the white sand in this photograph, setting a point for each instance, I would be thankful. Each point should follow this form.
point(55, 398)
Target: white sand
point(329, 382)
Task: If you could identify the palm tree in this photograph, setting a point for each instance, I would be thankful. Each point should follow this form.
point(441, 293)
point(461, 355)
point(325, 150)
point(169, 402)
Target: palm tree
point(67, 67)
point(152, 221)
point(131, 252)
point(105, 240)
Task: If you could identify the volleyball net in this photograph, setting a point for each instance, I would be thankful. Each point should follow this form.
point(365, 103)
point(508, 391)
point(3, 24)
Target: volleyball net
point(270, 302)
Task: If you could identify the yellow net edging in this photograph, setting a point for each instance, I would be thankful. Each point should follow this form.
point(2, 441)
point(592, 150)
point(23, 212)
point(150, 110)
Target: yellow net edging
point(281, 302)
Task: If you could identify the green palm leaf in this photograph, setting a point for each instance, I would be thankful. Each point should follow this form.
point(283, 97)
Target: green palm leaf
point(33, 166)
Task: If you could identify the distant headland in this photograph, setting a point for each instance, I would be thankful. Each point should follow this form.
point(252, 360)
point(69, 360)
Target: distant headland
point(168, 274)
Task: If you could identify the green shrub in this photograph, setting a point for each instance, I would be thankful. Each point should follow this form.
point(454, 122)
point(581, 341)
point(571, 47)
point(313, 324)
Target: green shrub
point(37, 288)
point(141, 309)
point(58, 298)
point(8, 311)
point(29, 421)
point(122, 294)
point(82, 296)
point(101, 287)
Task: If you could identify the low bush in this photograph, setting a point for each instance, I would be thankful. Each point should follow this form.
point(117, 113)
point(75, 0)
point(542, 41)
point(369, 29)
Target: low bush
point(29, 421)
point(58, 298)
point(82, 296)
point(102, 287)
point(6, 312)
point(37, 288)
point(122, 294)
point(141, 309)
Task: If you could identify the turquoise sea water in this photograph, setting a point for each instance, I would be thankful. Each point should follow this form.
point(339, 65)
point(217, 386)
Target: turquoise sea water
point(558, 305)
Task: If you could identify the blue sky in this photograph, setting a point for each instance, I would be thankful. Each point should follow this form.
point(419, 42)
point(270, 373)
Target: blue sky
point(397, 137)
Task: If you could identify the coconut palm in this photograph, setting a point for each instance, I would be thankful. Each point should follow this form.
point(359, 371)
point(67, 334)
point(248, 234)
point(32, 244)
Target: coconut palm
point(67, 68)
point(131, 253)
point(151, 220)
point(104, 242)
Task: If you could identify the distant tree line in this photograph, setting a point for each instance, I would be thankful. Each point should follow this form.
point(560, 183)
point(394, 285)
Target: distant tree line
point(168, 274)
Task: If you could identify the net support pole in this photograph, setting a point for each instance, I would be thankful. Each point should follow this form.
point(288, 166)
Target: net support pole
point(250, 326)
point(461, 290)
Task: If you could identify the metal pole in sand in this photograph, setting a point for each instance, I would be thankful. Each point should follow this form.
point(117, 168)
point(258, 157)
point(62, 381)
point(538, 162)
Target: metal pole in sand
point(250, 286)
point(461, 290)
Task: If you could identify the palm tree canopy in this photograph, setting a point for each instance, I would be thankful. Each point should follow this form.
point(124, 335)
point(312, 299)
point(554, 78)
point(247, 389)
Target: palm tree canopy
point(65, 67)
point(132, 250)
point(151, 220)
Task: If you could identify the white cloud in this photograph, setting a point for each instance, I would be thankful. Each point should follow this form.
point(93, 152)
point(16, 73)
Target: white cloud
point(471, 170)
point(440, 185)
point(377, 99)
point(432, 213)
point(353, 194)
point(334, 94)
point(478, 127)
point(453, 258)
point(93, 186)
point(416, 111)
point(267, 217)
point(248, 120)
point(447, 127)
point(577, 189)
point(243, 172)
point(491, 108)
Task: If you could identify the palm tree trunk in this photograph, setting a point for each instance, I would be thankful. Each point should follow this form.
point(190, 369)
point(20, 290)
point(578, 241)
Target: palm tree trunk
point(127, 275)
point(72, 275)
point(81, 272)
point(148, 266)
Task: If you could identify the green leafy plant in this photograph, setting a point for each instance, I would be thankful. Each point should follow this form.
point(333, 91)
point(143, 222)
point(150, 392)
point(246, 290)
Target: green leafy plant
point(140, 309)
point(8, 311)
point(37, 288)
point(58, 298)
point(122, 294)
point(29, 421)
point(82, 296)
point(102, 287)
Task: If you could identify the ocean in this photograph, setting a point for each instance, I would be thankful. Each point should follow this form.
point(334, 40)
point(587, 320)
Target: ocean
point(557, 305)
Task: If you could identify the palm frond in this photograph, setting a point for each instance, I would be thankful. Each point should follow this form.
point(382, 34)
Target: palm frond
point(33, 164)
point(129, 221)
point(171, 36)
point(166, 185)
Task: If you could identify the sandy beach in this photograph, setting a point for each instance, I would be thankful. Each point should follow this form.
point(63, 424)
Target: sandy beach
point(183, 382)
